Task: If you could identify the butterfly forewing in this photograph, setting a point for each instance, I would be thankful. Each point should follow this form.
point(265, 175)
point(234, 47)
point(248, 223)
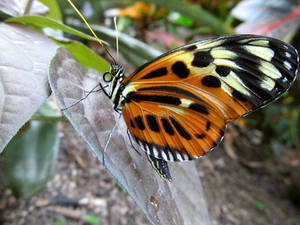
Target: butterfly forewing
point(177, 106)
point(241, 72)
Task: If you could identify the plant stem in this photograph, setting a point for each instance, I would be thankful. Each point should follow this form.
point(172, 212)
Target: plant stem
point(49, 118)
point(27, 7)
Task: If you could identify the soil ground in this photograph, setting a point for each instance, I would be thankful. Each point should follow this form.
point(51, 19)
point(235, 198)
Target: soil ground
point(80, 186)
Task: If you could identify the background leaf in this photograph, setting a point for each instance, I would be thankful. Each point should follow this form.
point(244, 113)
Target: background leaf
point(17, 7)
point(23, 77)
point(42, 22)
point(28, 160)
point(54, 9)
point(181, 202)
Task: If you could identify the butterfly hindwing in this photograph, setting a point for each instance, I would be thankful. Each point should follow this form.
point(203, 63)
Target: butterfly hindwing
point(177, 105)
point(161, 166)
point(173, 126)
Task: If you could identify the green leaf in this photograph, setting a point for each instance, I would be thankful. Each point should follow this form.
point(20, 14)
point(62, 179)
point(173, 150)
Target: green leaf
point(46, 110)
point(182, 20)
point(60, 222)
point(92, 220)
point(85, 56)
point(259, 205)
point(42, 22)
point(54, 9)
point(29, 158)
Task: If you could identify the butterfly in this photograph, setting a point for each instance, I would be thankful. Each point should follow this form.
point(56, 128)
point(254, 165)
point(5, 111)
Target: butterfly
point(177, 106)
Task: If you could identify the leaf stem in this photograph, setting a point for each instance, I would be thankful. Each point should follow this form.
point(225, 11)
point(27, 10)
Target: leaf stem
point(27, 7)
point(49, 118)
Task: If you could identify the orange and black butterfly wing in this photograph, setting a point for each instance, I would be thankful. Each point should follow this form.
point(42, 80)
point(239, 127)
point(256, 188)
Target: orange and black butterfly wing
point(238, 73)
point(172, 126)
point(178, 105)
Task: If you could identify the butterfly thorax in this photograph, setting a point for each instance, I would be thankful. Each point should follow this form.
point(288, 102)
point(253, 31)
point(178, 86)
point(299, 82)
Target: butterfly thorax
point(117, 86)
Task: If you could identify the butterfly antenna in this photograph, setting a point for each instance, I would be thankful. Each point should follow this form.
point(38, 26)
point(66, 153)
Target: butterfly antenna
point(92, 31)
point(117, 36)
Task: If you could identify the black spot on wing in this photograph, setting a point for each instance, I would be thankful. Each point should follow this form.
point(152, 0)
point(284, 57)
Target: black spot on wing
point(179, 68)
point(202, 59)
point(152, 123)
point(139, 122)
point(132, 124)
point(200, 136)
point(208, 125)
point(156, 73)
point(183, 133)
point(172, 89)
point(199, 108)
point(214, 144)
point(211, 81)
point(239, 96)
point(153, 98)
point(191, 48)
point(222, 131)
point(167, 126)
point(223, 71)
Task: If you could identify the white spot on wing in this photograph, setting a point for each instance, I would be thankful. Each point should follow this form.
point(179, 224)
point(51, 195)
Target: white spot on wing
point(179, 157)
point(147, 149)
point(222, 53)
point(171, 157)
point(210, 44)
point(155, 152)
point(261, 52)
point(267, 83)
point(226, 62)
point(185, 102)
point(270, 70)
point(287, 65)
point(164, 156)
point(260, 43)
point(235, 82)
point(287, 54)
point(129, 88)
point(172, 108)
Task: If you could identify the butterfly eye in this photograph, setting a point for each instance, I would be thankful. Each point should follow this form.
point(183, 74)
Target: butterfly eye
point(107, 77)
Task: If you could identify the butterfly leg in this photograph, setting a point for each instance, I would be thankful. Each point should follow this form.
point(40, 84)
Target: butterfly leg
point(161, 167)
point(104, 91)
point(100, 89)
point(131, 143)
point(109, 137)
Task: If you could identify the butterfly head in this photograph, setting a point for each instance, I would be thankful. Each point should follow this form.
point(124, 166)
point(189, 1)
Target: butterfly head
point(116, 72)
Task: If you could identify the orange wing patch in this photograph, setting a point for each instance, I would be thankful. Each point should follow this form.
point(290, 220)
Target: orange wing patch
point(173, 128)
